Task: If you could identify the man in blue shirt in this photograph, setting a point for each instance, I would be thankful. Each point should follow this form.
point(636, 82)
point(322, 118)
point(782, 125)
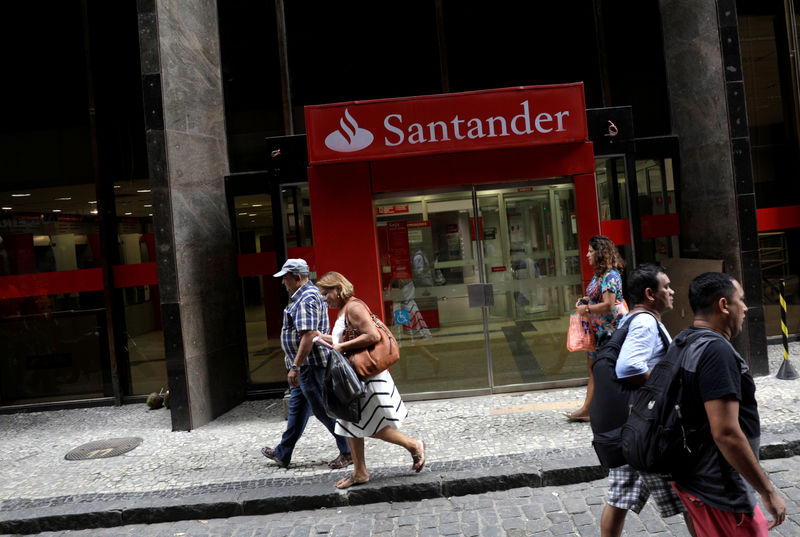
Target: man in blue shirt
point(650, 292)
point(305, 313)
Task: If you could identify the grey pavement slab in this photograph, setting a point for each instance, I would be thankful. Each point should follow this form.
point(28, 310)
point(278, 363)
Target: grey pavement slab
point(474, 445)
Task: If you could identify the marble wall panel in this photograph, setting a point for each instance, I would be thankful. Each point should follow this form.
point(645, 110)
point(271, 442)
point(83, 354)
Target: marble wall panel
point(190, 65)
point(203, 325)
point(200, 216)
point(157, 158)
point(176, 367)
point(196, 161)
point(742, 165)
point(757, 338)
point(737, 109)
point(148, 42)
point(200, 313)
point(206, 270)
point(151, 96)
point(696, 80)
point(748, 226)
point(216, 383)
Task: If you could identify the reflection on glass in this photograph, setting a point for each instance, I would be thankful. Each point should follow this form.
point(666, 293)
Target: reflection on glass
point(261, 291)
point(429, 255)
point(54, 344)
point(534, 267)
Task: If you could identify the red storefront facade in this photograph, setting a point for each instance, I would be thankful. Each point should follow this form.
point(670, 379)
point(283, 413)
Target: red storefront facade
point(395, 186)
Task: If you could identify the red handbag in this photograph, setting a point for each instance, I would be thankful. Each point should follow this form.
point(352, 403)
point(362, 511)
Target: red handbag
point(369, 361)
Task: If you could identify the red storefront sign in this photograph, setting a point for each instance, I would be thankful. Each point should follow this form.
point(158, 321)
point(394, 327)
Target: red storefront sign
point(391, 209)
point(399, 253)
point(480, 120)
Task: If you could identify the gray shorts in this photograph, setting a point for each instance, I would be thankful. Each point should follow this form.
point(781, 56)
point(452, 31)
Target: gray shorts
point(629, 489)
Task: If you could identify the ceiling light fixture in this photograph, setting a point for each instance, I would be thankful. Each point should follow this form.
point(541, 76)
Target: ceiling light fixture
point(93, 211)
point(20, 195)
point(6, 208)
point(143, 191)
point(128, 214)
point(62, 199)
point(92, 202)
point(56, 210)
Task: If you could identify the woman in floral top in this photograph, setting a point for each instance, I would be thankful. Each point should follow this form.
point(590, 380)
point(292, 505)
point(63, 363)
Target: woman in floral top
point(603, 302)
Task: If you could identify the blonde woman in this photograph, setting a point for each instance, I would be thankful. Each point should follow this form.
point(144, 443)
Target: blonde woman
point(382, 409)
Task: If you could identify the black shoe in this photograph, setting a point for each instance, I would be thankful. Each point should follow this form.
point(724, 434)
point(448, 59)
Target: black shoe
point(269, 453)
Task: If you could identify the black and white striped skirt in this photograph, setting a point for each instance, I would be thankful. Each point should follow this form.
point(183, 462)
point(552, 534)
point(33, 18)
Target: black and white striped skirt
point(381, 406)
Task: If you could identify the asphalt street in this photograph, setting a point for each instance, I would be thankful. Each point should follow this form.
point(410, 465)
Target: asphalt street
point(543, 511)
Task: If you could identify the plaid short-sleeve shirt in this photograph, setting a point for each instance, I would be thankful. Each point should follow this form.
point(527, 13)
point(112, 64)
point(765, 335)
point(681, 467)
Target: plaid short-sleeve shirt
point(305, 311)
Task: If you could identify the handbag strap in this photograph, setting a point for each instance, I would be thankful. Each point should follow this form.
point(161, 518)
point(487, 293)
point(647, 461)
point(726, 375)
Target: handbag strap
point(378, 323)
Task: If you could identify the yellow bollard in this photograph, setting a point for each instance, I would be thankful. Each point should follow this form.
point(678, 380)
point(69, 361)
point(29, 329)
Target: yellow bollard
point(786, 371)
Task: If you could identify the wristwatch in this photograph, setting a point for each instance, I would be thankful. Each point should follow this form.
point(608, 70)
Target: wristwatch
point(295, 367)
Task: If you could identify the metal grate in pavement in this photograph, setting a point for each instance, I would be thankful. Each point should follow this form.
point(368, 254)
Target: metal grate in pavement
point(102, 449)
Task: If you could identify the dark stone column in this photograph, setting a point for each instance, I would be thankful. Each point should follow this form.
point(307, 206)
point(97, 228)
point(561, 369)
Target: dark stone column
point(718, 221)
point(200, 298)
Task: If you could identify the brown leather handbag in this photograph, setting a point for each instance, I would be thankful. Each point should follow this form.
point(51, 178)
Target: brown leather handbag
point(369, 361)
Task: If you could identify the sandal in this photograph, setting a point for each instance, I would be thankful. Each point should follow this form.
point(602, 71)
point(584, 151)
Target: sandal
point(349, 481)
point(572, 417)
point(419, 459)
point(341, 461)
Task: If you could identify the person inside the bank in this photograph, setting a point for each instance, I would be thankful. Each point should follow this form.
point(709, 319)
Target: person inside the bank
point(603, 302)
point(382, 409)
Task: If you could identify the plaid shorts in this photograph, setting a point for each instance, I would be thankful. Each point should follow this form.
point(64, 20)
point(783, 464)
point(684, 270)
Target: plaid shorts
point(629, 489)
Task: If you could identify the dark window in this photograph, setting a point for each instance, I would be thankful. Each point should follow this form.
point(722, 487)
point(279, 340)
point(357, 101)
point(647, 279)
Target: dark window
point(370, 50)
point(633, 50)
point(251, 80)
point(495, 45)
point(771, 101)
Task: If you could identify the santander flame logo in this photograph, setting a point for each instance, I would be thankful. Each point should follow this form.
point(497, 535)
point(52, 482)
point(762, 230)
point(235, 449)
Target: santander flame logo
point(349, 137)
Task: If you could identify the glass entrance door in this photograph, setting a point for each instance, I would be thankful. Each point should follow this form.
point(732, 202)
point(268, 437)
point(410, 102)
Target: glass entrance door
point(435, 253)
point(429, 258)
point(531, 258)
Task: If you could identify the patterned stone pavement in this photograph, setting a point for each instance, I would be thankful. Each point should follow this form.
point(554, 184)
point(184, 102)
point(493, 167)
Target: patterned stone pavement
point(571, 510)
point(478, 434)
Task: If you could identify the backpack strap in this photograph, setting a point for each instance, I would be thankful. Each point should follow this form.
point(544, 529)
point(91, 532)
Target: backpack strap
point(616, 340)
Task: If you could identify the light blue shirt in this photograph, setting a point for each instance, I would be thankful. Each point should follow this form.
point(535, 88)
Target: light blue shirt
point(643, 347)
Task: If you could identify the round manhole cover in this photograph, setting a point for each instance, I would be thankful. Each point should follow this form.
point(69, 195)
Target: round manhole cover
point(102, 449)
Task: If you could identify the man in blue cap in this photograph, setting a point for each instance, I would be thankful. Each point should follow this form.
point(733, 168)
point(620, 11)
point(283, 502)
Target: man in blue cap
point(304, 315)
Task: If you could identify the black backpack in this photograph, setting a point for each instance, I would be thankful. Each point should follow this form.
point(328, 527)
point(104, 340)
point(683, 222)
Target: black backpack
point(610, 404)
point(655, 438)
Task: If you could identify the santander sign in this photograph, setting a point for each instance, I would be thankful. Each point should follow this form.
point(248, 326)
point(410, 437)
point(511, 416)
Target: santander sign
point(493, 119)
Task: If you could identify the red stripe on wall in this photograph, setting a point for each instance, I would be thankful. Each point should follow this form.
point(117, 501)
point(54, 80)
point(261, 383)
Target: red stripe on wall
point(772, 218)
point(306, 253)
point(657, 225)
point(616, 230)
point(261, 264)
point(135, 275)
point(588, 217)
point(660, 225)
point(51, 283)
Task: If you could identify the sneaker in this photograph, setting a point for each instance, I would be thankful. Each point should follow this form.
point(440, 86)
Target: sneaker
point(269, 453)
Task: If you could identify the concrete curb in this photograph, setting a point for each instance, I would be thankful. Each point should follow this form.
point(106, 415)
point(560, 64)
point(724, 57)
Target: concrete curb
point(258, 498)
